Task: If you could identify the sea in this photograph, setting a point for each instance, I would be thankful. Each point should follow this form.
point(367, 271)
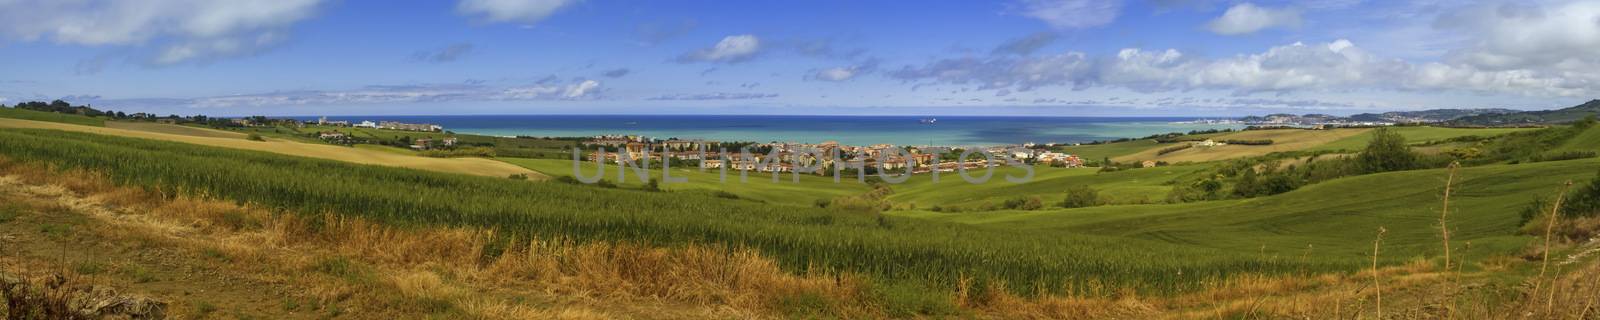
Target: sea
point(849, 130)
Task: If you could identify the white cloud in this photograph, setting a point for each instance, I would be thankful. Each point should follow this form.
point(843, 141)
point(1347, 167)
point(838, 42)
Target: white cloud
point(715, 96)
point(386, 94)
point(735, 48)
point(1072, 14)
point(1245, 18)
point(527, 11)
point(835, 74)
point(185, 30)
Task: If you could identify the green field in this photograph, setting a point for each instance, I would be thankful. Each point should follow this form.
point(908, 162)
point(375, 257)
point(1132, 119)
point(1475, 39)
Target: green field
point(1417, 135)
point(759, 187)
point(1328, 216)
point(1127, 186)
point(50, 117)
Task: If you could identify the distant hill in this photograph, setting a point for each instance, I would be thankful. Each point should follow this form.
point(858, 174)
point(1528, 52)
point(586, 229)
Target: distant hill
point(1533, 117)
point(1435, 115)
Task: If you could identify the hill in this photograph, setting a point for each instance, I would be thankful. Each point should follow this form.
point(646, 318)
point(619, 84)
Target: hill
point(1563, 115)
point(1425, 116)
point(472, 166)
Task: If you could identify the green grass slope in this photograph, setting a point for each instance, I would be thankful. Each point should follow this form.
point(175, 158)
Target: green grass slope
point(758, 187)
point(1049, 184)
point(1337, 218)
point(1416, 135)
point(1589, 140)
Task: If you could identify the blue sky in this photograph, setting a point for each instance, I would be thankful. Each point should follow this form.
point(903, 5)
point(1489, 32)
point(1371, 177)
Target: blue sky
point(1044, 57)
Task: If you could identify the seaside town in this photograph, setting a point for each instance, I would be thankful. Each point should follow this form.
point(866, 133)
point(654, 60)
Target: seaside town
point(814, 157)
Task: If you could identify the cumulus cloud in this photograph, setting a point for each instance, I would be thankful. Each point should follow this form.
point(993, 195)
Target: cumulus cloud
point(525, 11)
point(1246, 18)
point(1072, 14)
point(735, 48)
point(715, 96)
point(183, 30)
point(446, 54)
point(1027, 45)
point(1333, 66)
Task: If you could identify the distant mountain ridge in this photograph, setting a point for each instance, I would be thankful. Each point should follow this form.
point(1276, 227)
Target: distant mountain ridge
point(1452, 117)
point(1564, 115)
point(1434, 115)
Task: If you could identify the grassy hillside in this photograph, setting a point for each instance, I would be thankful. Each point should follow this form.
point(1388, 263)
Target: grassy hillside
point(1332, 217)
point(24, 114)
point(1417, 135)
point(473, 166)
point(1589, 140)
point(759, 187)
point(913, 250)
point(1282, 140)
point(1127, 186)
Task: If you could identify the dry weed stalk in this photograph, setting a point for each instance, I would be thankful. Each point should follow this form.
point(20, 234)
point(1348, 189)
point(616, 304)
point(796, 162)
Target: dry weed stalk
point(1377, 286)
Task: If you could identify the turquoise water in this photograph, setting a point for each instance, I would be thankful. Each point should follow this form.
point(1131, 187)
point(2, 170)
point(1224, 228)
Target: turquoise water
point(852, 130)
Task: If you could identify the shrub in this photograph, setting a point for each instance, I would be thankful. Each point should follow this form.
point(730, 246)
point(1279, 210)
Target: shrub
point(1081, 196)
point(1386, 152)
point(524, 176)
point(1584, 201)
point(1028, 203)
point(254, 137)
point(1261, 142)
point(1172, 149)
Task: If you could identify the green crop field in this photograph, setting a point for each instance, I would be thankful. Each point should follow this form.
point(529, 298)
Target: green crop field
point(1127, 186)
point(1416, 135)
point(900, 249)
point(1332, 217)
point(24, 114)
point(759, 187)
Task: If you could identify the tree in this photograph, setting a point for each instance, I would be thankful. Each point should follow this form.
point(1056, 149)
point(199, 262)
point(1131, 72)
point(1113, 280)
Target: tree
point(1386, 152)
point(1247, 186)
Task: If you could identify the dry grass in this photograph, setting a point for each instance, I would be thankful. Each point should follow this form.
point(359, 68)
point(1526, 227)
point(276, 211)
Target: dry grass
point(473, 166)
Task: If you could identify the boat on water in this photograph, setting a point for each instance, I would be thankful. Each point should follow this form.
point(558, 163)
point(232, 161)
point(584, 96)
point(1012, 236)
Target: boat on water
point(929, 120)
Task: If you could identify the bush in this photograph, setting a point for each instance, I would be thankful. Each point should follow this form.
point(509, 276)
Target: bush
point(1080, 197)
point(1172, 149)
point(254, 137)
point(1584, 201)
point(522, 176)
point(1261, 142)
point(1028, 203)
point(1387, 152)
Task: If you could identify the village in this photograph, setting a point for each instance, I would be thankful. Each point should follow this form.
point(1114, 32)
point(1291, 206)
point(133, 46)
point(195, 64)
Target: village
point(816, 158)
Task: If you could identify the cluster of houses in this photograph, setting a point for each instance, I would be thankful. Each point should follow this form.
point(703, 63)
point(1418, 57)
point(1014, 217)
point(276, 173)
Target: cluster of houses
point(390, 125)
point(814, 157)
